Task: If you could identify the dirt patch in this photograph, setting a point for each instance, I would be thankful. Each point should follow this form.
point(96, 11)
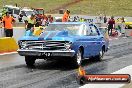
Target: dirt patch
point(64, 6)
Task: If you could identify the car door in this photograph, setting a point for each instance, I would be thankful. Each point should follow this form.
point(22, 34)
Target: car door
point(84, 40)
point(93, 41)
point(97, 40)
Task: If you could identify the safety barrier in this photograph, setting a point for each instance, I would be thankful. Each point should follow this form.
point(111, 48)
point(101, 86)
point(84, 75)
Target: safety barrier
point(18, 32)
point(8, 44)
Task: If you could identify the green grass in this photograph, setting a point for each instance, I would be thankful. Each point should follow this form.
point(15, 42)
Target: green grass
point(108, 7)
point(46, 4)
point(86, 7)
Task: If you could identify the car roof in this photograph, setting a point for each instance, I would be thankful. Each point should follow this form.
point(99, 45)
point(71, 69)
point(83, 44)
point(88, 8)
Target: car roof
point(39, 9)
point(70, 23)
point(26, 9)
point(11, 6)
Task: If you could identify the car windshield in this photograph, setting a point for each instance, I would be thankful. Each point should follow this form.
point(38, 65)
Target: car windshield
point(73, 29)
point(29, 13)
point(16, 11)
point(39, 11)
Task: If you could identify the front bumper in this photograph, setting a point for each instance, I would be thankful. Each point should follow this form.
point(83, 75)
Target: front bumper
point(48, 53)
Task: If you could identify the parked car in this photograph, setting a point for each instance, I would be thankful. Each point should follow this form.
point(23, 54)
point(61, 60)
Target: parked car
point(75, 40)
point(128, 25)
point(26, 13)
point(12, 10)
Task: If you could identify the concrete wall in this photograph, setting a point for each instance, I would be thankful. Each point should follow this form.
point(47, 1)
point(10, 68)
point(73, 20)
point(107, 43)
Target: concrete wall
point(17, 32)
point(8, 44)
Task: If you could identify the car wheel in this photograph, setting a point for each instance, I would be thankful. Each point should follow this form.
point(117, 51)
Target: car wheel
point(77, 59)
point(100, 56)
point(30, 60)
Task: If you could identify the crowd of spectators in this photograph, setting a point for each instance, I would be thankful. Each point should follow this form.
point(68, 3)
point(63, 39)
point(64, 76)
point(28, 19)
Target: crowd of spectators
point(35, 21)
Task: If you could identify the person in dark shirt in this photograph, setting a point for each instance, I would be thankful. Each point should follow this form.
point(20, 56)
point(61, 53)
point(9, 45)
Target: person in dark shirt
point(111, 25)
point(20, 17)
point(105, 19)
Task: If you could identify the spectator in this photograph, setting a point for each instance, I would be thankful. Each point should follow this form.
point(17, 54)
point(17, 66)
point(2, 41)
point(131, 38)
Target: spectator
point(50, 19)
point(81, 19)
point(105, 19)
point(8, 26)
point(66, 16)
point(111, 25)
point(101, 18)
point(75, 19)
point(123, 26)
point(30, 22)
point(20, 17)
point(43, 20)
point(16, 5)
point(38, 22)
point(97, 20)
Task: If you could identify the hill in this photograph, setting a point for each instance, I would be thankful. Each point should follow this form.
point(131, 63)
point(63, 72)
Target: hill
point(88, 7)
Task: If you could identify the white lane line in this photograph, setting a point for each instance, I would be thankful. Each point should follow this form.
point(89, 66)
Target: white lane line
point(126, 70)
point(8, 53)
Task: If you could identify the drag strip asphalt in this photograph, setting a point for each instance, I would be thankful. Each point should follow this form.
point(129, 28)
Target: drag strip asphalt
point(57, 74)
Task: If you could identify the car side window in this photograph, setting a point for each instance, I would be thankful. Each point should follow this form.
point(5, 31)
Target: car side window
point(93, 31)
point(16, 11)
point(82, 30)
point(23, 13)
point(87, 31)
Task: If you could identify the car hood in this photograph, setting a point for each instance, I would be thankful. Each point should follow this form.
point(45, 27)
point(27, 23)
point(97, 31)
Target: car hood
point(56, 36)
point(29, 38)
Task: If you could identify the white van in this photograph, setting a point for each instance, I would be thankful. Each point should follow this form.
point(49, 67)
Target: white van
point(13, 10)
point(26, 13)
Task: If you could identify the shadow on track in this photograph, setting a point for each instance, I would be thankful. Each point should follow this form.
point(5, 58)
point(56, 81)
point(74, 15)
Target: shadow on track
point(63, 65)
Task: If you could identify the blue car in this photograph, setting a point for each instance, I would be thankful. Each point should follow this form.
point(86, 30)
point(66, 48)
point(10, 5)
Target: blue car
point(73, 41)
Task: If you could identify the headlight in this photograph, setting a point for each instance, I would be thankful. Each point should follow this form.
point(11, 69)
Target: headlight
point(68, 46)
point(22, 44)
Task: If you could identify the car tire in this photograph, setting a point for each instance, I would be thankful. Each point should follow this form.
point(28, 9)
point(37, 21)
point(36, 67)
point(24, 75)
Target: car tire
point(77, 59)
point(101, 55)
point(30, 61)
